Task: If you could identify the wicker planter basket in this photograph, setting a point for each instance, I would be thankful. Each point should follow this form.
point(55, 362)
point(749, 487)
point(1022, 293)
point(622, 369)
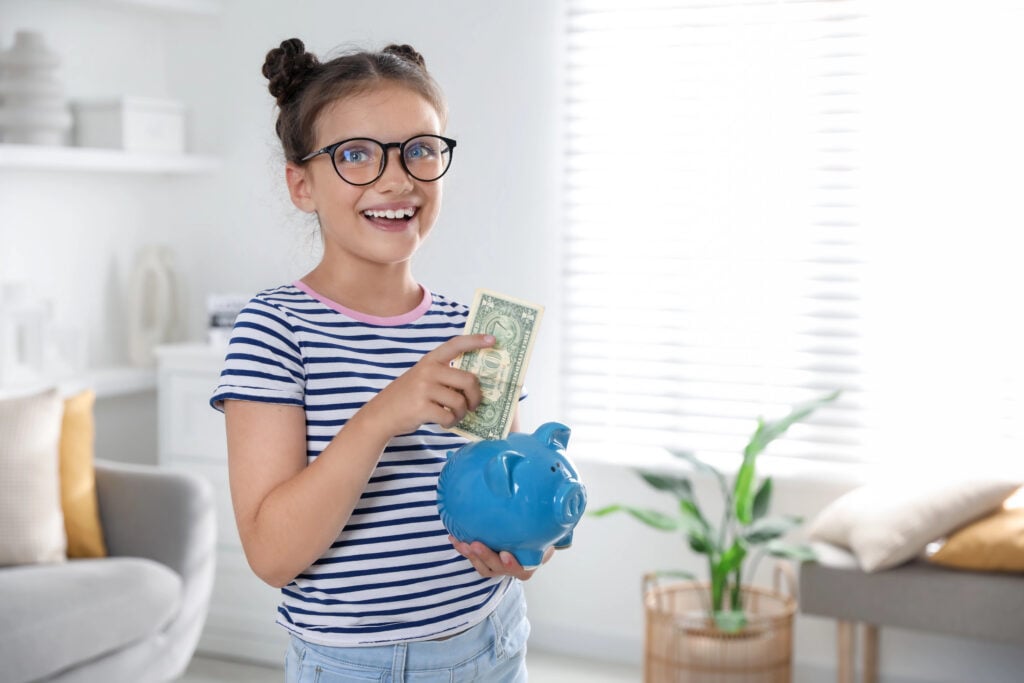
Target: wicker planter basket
point(683, 646)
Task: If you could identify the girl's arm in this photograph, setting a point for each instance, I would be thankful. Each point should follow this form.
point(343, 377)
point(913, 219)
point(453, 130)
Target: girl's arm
point(288, 513)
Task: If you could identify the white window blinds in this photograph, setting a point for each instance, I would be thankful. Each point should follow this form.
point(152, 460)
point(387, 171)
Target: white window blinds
point(713, 257)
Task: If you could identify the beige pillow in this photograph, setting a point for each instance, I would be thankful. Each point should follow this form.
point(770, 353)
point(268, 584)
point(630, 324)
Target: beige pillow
point(885, 525)
point(78, 478)
point(31, 521)
point(993, 543)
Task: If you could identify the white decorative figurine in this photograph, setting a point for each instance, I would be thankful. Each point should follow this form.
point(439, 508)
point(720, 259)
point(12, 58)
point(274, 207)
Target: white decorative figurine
point(34, 110)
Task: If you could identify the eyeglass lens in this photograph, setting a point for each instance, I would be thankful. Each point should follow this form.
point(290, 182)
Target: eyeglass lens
point(361, 161)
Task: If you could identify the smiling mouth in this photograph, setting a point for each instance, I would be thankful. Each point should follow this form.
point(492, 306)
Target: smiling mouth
point(391, 214)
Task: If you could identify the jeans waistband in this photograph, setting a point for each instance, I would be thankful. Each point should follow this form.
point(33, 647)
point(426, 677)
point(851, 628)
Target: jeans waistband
point(491, 632)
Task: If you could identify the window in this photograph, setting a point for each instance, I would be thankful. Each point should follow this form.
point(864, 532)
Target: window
point(713, 221)
point(768, 200)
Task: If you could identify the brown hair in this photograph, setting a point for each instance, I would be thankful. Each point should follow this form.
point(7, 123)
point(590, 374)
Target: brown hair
point(303, 86)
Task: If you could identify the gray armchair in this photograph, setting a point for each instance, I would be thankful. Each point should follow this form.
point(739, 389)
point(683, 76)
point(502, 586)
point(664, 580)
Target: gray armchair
point(133, 616)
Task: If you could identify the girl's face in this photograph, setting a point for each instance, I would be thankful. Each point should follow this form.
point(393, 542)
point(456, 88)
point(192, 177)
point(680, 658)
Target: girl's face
point(351, 217)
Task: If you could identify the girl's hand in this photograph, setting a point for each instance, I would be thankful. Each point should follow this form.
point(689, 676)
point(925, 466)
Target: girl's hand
point(430, 391)
point(489, 563)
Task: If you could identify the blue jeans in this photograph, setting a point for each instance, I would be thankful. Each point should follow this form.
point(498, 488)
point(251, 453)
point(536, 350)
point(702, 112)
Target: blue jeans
point(493, 651)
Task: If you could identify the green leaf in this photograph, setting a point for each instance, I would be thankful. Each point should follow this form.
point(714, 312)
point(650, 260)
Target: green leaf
point(651, 518)
point(757, 441)
point(731, 558)
point(769, 528)
point(769, 431)
point(792, 551)
point(702, 466)
point(700, 542)
point(680, 487)
point(763, 499)
point(692, 517)
point(730, 621)
point(741, 491)
point(606, 510)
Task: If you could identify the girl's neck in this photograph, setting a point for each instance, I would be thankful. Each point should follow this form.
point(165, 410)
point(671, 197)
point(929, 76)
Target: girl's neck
point(388, 291)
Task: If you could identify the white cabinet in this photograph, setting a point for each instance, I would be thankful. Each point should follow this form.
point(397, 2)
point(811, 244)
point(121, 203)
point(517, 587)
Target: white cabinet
point(41, 158)
point(240, 622)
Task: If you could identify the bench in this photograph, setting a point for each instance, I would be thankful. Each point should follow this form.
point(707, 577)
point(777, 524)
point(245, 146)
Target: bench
point(917, 595)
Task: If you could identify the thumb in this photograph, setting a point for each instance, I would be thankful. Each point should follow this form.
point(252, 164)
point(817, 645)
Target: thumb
point(456, 346)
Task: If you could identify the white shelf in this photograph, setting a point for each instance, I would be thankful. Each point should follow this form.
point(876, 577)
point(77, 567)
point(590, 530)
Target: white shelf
point(47, 158)
point(199, 7)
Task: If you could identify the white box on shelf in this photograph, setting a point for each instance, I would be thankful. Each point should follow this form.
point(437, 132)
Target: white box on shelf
point(134, 124)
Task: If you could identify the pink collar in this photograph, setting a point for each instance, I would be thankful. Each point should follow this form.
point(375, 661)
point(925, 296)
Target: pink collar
point(391, 321)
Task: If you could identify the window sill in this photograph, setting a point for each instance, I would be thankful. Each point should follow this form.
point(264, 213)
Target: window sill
point(661, 461)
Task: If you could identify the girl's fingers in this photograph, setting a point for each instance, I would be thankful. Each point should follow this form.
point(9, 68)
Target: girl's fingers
point(489, 563)
point(466, 383)
point(456, 346)
point(453, 403)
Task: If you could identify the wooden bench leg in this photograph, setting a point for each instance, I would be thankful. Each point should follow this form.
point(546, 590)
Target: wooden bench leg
point(845, 648)
point(869, 637)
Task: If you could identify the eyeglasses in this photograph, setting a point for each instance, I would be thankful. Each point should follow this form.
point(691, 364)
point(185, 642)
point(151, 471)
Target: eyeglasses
point(361, 161)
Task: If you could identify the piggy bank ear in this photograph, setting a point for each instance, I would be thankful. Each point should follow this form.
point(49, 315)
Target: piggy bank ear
point(553, 434)
point(498, 473)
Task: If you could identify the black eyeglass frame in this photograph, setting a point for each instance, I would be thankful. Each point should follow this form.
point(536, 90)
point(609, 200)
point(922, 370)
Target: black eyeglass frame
point(386, 146)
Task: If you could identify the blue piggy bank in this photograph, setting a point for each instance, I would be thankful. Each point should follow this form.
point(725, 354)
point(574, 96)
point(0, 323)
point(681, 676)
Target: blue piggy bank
point(519, 494)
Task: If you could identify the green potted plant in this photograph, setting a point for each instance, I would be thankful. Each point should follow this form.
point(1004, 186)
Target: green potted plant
point(733, 548)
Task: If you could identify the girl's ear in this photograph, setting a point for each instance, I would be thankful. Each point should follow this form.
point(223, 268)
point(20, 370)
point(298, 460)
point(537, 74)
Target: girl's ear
point(299, 187)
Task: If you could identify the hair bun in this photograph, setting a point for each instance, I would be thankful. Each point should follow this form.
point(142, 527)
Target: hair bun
point(406, 52)
point(287, 68)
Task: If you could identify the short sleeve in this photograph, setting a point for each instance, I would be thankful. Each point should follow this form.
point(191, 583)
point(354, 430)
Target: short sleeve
point(263, 360)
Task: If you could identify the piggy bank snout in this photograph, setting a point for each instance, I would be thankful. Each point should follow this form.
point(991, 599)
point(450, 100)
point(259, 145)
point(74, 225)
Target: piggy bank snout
point(571, 501)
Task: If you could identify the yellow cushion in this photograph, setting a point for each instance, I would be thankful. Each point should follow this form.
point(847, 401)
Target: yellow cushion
point(993, 543)
point(78, 478)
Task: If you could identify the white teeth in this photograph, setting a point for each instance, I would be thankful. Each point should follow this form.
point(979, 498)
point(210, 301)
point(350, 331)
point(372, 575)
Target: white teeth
point(391, 213)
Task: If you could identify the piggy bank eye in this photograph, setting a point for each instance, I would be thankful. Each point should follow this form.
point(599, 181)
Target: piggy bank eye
point(557, 465)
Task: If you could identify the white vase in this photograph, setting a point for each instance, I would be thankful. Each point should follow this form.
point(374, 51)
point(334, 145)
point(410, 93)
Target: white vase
point(152, 303)
point(34, 110)
point(23, 323)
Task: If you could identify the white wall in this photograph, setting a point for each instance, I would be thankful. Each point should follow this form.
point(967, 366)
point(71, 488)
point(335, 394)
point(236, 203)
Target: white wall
point(73, 236)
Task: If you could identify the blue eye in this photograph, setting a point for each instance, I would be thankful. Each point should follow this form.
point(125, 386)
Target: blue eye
point(354, 156)
point(357, 153)
point(421, 149)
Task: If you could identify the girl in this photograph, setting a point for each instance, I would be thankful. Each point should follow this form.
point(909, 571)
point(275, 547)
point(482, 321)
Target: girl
point(337, 390)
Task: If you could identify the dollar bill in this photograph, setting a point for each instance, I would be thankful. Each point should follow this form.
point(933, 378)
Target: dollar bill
point(502, 367)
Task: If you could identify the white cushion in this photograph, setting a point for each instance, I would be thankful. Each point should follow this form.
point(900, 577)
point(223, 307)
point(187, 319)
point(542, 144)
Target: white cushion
point(31, 520)
point(887, 524)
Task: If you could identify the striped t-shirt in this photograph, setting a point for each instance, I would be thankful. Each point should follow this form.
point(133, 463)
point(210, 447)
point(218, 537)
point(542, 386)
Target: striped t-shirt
point(391, 575)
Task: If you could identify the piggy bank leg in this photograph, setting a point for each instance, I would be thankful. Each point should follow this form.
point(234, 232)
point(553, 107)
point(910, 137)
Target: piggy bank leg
point(529, 559)
point(564, 541)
